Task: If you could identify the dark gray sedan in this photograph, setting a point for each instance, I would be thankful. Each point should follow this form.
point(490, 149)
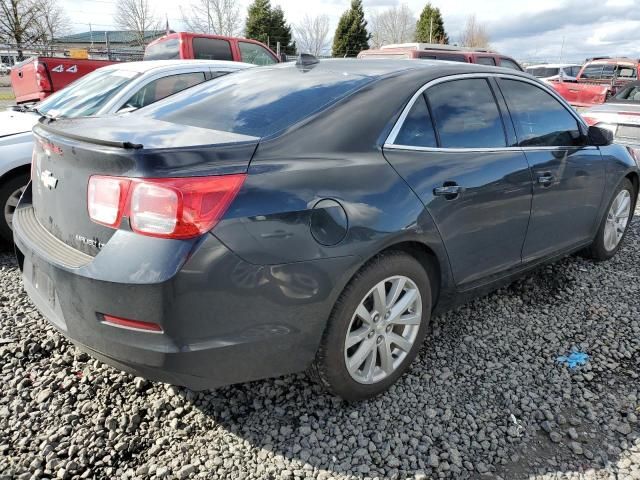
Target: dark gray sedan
point(309, 216)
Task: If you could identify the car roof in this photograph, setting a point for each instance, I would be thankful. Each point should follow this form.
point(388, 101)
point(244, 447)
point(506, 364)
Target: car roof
point(615, 60)
point(159, 65)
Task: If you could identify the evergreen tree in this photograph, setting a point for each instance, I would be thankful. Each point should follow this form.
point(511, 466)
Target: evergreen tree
point(268, 25)
point(430, 26)
point(351, 35)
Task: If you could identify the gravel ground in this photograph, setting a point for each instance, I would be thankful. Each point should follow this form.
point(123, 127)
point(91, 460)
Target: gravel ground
point(486, 398)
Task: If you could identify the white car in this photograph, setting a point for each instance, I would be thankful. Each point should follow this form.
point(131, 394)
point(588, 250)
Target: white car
point(115, 89)
point(554, 71)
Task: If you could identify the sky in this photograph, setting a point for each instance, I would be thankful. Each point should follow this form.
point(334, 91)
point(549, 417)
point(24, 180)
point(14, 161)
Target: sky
point(530, 31)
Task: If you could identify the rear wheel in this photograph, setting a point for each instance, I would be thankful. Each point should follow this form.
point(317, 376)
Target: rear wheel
point(10, 193)
point(376, 329)
point(614, 225)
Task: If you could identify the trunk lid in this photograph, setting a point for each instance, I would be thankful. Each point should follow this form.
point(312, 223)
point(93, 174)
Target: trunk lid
point(68, 152)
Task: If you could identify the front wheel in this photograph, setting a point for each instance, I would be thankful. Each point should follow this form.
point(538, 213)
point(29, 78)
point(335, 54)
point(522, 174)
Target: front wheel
point(376, 328)
point(615, 224)
point(10, 193)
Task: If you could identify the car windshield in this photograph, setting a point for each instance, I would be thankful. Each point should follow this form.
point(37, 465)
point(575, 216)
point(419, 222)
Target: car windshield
point(631, 93)
point(543, 72)
point(257, 102)
point(87, 95)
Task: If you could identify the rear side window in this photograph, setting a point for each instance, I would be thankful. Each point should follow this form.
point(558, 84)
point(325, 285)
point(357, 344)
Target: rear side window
point(507, 63)
point(211, 49)
point(445, 56)
point(257, 102)
point(540, 119)
point(162, 88)
point(164, 50)
point(485, 60)
point(592, 71)
point(417, 129)
point(255, 54)
point(625, 71)
point(465, 114)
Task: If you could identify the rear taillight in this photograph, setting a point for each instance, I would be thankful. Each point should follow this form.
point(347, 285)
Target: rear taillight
point(162, 207)
point(42, 77)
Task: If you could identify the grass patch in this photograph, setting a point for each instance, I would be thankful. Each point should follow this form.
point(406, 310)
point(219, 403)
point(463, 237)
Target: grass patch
point(6, 96)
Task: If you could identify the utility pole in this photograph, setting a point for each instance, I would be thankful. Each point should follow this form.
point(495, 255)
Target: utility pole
point(208, 18)
point(278, 49)
point(562, 49)
point(431, 30)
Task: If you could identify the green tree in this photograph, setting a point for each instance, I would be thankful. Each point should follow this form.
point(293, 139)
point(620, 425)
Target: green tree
point(268, 25)
point(351, 35)
point(430, 26)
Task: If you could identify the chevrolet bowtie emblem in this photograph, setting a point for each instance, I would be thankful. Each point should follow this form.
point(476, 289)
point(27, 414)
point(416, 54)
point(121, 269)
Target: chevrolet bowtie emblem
point(48, 180)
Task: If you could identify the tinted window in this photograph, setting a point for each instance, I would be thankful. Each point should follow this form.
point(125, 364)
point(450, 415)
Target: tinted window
point(164, 50)
point(592, 71)
point(506, 63)
point(256, 54)
point(485, 60)
point(445, 56)
point(607, 71)
point(211, 49)
point(257, 102)
point(539, 118)
point(575, 71)
point(466, 115)
point(163, 87)
point(417, 129)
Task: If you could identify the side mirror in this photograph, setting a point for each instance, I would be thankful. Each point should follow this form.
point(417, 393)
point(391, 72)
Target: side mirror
point(599, 137)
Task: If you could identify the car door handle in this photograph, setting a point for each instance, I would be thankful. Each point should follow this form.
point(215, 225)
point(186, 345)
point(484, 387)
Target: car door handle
point(448, 191)
point(546, 179)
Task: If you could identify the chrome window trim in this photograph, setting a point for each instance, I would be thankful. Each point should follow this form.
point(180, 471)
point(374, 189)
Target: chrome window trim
point(393, 146)
point(391, 138)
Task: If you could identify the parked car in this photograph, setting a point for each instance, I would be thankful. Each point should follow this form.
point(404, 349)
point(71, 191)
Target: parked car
point(315, 220)
point(620, 114)
point(551, 72)
point(211, 47)
point(38, 77)
point(431, 51)
point(599, 79)
point(4, 69)
point(117, 88)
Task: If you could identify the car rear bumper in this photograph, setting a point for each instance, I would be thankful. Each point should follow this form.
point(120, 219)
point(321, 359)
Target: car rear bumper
point(223, 320)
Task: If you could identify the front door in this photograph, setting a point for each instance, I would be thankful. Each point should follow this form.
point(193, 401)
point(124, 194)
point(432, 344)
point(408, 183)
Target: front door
point(568, 177)
point(451, 149)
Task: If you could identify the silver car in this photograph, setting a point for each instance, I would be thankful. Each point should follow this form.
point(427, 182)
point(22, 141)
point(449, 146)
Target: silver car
point(115, 89)
point(620, 114)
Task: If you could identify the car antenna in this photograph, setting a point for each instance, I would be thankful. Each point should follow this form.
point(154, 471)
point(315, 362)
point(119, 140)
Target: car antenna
point(306, 60)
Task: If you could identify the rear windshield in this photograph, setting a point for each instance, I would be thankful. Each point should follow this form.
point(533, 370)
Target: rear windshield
point(257, 102)
point(164, 50)
point(543, 72)
point(87, 95)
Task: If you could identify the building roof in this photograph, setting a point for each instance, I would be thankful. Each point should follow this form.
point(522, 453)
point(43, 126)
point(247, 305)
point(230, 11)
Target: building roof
point(115, 36)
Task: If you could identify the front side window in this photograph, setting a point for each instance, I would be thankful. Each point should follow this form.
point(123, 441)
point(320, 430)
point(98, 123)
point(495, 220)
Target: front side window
point(486, 60)
point(540, 119)
point(162, 88)
point(255, 54)
point(466, 115)
point(211, 49)
point(417, 129)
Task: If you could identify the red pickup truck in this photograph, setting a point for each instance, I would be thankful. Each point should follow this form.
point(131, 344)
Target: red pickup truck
point(38, 77)
point(599, 79)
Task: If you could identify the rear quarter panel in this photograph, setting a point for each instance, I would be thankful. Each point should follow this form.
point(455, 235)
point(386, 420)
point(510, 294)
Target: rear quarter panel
point(23, 82)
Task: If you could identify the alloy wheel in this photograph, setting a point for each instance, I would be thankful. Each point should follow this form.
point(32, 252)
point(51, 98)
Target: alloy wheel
point(617, 220)
point(383, 330)
point(11, 204)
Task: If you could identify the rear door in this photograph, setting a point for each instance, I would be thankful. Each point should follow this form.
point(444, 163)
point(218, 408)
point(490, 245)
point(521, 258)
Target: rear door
point(568, 176)
point(452, 149)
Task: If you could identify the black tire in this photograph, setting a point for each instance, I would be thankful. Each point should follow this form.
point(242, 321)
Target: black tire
point(329, 367)
point(7, 189)
point(597, 250)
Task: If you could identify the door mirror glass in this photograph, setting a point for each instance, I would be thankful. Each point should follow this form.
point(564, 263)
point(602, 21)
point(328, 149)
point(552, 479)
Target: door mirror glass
point(599, 137)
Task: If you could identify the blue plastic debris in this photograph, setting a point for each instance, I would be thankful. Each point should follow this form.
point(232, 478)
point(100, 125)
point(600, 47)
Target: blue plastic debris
point(574, 359)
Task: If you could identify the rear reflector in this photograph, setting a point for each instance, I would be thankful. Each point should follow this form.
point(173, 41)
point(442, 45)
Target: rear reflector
point(162, 207)
point(131, 324)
